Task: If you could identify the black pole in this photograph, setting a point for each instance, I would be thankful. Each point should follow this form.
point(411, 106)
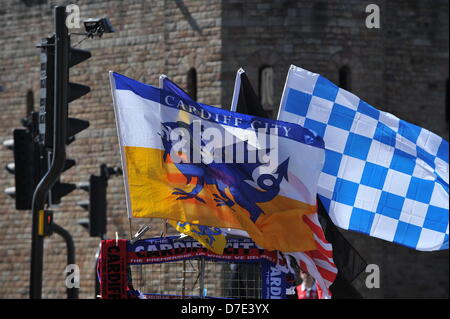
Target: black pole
point(72, 293)
point(59, 151)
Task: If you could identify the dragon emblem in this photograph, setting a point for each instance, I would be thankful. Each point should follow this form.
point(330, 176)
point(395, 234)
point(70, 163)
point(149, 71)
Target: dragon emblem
point(236, 177)
point(201, 230)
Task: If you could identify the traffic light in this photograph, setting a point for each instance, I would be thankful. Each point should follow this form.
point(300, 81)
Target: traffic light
point(26, 168)
point(46, 223)
point(55, 131)
point(96, 206)
point(59, 95)
point(97, 203)
point(10, 168)
point(74, 125)
point(30, 164)
point(27, 164)
point(74, 90)
point(60, 189)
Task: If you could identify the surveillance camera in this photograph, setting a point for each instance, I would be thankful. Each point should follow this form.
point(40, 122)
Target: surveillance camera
point(98, 26)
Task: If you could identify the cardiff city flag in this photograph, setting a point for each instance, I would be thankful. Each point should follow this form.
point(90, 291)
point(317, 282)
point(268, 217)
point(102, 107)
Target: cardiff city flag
point(199, 164)
point(382, 176)
point(210, 237)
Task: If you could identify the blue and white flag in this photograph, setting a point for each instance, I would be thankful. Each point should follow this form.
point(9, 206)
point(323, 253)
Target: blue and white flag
point(382, 176)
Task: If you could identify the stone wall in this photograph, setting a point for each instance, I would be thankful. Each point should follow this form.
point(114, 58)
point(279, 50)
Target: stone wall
point(401, 68)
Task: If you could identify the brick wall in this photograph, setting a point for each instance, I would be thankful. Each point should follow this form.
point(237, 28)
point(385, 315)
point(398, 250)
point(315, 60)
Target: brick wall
point(152, 37)
point(401, 67)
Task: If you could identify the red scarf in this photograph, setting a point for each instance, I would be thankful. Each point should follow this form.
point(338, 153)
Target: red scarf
point(113, 269)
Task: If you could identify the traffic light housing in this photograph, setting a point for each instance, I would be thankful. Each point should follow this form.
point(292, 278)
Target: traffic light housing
point(30, 164)
point(97, 203)
point(75, 91)
point(57, 57)
point(26, 168)
point(60, 189)
point(45, 223)
point(96, 206)
point(27, 163)
point(47, 101)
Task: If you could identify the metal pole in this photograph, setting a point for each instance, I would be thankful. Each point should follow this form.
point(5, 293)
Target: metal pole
point(72, 293)
point(202, 277)
point(183, 280)
point(59, 152)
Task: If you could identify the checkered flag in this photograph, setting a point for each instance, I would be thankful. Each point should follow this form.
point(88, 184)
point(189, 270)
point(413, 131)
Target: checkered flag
point(382, 176)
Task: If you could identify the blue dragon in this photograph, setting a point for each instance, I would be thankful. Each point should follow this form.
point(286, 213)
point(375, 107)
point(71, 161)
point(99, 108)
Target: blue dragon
point(234, 176)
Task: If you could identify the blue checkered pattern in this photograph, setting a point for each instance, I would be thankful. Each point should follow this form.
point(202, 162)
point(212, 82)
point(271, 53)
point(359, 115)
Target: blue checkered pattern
point(382, 176)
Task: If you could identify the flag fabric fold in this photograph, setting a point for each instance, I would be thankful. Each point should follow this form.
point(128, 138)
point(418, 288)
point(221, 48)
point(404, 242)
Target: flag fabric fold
point(382, 176)
point(263, 189)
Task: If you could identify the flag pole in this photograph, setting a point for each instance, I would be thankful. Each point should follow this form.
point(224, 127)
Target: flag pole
point(284, 94)
point(236, 91)
point(165, 221)
point(131, 231)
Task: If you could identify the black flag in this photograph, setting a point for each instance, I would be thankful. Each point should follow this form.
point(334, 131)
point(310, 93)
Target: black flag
point(247, 100)
point(347, 260)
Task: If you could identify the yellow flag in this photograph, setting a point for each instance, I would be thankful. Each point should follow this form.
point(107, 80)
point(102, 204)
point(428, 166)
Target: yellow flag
point(201, 166)
point(210, 237)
